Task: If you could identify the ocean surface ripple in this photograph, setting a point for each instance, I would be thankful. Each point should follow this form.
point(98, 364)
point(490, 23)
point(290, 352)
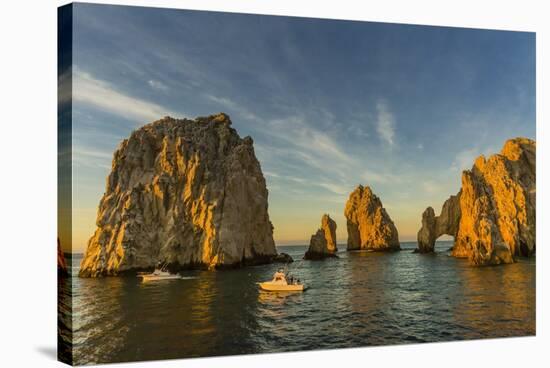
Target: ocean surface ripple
point(360, 299)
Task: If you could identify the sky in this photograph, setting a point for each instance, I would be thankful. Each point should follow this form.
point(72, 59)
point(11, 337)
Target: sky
point(330, 104)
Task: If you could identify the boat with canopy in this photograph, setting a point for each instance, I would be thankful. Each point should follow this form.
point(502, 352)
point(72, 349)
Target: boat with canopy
point(282, 281)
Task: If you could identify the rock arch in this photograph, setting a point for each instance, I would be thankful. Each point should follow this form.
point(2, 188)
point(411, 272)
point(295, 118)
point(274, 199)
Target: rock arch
point(434, 226)
point(493, 217)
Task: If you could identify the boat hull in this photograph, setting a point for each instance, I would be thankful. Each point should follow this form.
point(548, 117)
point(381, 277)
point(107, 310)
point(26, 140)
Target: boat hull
point(268, 286)
point(148, 278)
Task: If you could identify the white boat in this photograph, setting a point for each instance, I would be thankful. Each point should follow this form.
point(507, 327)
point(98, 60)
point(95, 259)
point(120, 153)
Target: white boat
point(280, 282)
point(159, 274)
point(273, 286)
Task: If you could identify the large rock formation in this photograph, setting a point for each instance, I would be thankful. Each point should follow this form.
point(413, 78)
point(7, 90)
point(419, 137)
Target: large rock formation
point(323, 242)
point(495, 215)
point(190, 193)
point(369, 225)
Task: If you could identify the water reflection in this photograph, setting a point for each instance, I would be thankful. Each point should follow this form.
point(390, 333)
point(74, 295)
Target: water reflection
point(64, 318)
point(374, 297)
point(270, 299)
point(100, 325)
point(497, 298)
point(171, 318)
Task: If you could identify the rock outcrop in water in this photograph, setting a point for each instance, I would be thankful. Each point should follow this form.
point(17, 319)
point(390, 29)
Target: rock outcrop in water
point(283, 258)
point(369, 225)
point(190, 193)
point(493, 216)
point(323, 242)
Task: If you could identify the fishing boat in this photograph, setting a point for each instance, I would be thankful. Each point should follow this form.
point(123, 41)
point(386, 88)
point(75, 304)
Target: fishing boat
point(160, 273)
point(282, 282)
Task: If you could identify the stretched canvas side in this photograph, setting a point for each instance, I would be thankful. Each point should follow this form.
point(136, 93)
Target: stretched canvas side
point(64, 187)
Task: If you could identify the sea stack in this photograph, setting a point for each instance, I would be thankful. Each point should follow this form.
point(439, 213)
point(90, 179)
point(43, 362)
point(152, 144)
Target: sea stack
point(189, 193)
point(369, 225)
point(323, 242)
point(493, 215)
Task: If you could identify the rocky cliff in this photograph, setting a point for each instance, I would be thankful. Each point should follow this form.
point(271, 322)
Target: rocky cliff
point(190, 193)
point(492, 218)
point(369, 225)
point(323, 242)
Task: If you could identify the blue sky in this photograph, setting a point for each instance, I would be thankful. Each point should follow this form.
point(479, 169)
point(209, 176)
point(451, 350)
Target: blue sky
point(330, 104)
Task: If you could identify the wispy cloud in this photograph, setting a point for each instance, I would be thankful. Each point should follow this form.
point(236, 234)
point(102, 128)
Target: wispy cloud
point(371, 176)
point(311, 145)
point(92, 153)
point(233, 106)
point(357, 130)
point(285, 177)
point(271, 174)
point(465, 159)
point(158, 85)
point(430, 187)
point(336, 188)
point(89, 157)
point(102, 95)
point(332, 187)
point(385, 124)
point(314, 145)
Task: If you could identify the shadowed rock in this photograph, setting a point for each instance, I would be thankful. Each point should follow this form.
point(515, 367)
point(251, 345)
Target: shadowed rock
point(190, 193)
point(369, 225)
point(283, 258)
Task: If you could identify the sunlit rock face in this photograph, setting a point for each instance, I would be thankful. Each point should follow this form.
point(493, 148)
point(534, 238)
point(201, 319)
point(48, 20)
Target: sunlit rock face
point(369, 225)
point(323, 242)
point(187, 192)
point(496, 219)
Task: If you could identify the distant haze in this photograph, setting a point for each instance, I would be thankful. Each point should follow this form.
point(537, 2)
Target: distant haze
point(329, 104)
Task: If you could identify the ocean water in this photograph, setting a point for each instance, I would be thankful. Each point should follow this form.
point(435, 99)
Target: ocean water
point(360, 299)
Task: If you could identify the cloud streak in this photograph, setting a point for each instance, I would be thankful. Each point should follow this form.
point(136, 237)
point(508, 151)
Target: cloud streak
point(233, 107)
point(158, 85)
point(315, 146)
point(371, 176)
point(465, 159)
point(385, 123)
point(102, 95)
point(88, 157)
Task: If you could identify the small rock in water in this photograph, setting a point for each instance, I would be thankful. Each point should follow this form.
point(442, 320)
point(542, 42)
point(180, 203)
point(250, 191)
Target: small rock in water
point(323, 242)
point(283, 258)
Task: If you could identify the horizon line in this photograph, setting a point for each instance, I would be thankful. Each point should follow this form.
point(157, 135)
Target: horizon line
point(286, 245)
